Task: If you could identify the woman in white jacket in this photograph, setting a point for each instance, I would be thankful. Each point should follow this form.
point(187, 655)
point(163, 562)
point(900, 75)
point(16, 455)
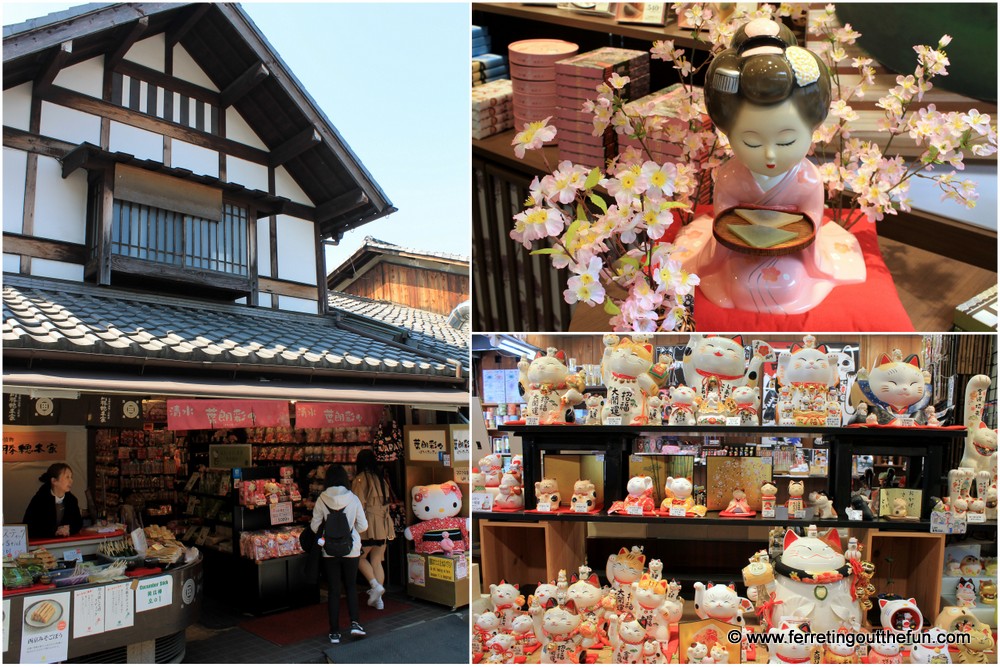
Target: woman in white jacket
point(338, 496)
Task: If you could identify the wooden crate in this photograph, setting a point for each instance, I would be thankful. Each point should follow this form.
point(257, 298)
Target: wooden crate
point(526, 553)
point(452, 594)
point(918, 561)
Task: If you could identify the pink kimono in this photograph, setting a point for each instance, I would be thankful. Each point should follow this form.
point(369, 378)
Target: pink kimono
point(785, 285)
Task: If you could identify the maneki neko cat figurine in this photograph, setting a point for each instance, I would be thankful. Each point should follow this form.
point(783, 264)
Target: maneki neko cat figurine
point(626, 371)
point(501, 650)
point(747, 405)
point(809, 372)
point(558, 631)
point(510, 495)
point(716, 362)
point(883, 651)
point(677, 494)
point(682, 406)
point(781, 650)
point(768, 96)
point(624, 568)
point(721, 603)
point(484, 627)
point(506, 601)
point(648, 595)
point(932, 652)
point(979, 648)
point(840, 651)
point(587, 595)
point(627, 637)
point(550, 391)
point(980, 441)
point(639, 499)
point(896, 388)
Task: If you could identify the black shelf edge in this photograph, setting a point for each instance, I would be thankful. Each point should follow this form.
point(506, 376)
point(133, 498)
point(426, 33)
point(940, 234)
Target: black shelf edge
point(709, 520)
point(805, 431)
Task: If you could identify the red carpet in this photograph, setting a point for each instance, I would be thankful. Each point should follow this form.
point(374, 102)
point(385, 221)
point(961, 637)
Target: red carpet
point(293, 626)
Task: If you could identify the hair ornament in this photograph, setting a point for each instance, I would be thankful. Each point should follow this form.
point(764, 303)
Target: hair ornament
point(803, 64)
point(726, 80)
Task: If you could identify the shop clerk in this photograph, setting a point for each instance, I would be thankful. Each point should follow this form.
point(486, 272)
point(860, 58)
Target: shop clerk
point(54, 511)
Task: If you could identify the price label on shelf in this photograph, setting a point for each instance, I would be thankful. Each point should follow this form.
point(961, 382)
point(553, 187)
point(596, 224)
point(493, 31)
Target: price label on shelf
point(581, 508)
point(854, 515)
point(833, 421)
point(677, 510)
point(633, 510)
point(531, 421)
point(766, 460)
point(73, 555)
point(635, 458)
point(482, 502)
point(975, 517)
point(733, 421)
point(599, 457)
point(613, 421)
point(281, 513)
point(907, 422)
point(544, 507)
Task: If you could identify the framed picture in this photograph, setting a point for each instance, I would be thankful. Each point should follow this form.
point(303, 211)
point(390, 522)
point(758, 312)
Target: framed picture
point(427, 443)
point(708, 633)
point(900, 504)
point(645, 13)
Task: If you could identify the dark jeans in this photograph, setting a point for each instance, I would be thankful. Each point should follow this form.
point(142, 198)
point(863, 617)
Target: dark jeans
point(336, 569)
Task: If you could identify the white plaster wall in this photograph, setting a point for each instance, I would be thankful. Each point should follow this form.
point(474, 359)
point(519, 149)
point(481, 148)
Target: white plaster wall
point(296, 250)
point(186, 68)
point(248, 174)
point(17, 106)
point(237, 129)
point(11, 263)
point(70, 125)
point(60, 204)
point(285, 186)
point(49, 268)
point(20, 480)
point(86, 77)
point(296, 304)
point(197, 159)
point(14, 165)
point(264, 247)
point(149, 52)
point(141, 143)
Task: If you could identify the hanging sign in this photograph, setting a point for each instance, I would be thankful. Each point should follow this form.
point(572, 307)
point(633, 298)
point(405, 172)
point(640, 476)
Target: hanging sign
point(426, 443)
point(14, 409)
point(332, 415)
point(118, 411)
point(34, 446)
point(194, 414)
point(459, 443)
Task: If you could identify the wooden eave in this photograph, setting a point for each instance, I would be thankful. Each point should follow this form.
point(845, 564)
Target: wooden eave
point(368, 257)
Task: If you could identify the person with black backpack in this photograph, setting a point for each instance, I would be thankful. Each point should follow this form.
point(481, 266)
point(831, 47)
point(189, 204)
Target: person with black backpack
point(338, 519)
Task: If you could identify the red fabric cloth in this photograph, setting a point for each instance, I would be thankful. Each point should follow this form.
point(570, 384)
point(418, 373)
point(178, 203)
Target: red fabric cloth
point(873, 305)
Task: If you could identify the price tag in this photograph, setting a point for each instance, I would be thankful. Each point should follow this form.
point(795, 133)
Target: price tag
point(482, 502)
point(446, 460)
point(281, 513)
point(581, 508)
point(908, 422)
point(975, 517)
point(599, 457)
point(613, 421)
point(767, 513)
point(544, 507)
point(633, 510)
point(635, 458)
point(531, 421)
point(799, 514)
point(833, 422)
point(733, 421)
point(713, 441)
point(766, 460)
point(854, 515)
point(73, 555)
point(677, 510)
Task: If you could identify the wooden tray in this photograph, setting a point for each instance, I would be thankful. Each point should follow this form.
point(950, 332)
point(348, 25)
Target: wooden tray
point(805, 234)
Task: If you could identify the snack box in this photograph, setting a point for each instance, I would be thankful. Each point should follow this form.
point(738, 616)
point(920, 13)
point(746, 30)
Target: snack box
point(601, 63)
point(490, 131)
point(587, 139)
point(526, 73)
point(599, 152)
point(493, 121)
point(564, 125)
point(527, 87)
point(632, 89)
point(540, 52)
point(488, 60)
point(535, 101)
point(499, 110)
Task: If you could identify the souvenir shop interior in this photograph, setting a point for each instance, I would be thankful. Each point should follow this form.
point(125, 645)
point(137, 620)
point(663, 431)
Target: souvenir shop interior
point(203, 501)
point(665, 498)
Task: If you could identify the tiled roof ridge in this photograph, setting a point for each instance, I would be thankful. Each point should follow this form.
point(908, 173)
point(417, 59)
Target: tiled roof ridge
point(382, 302)
point(373, 242)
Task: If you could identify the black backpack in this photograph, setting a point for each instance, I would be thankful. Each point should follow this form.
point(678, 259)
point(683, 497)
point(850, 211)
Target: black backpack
point(337, 533)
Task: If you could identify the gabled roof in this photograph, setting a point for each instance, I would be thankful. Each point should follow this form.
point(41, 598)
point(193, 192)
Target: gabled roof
point(426, 327)
point(54, 319)
point(373, 251)
point(226, 44)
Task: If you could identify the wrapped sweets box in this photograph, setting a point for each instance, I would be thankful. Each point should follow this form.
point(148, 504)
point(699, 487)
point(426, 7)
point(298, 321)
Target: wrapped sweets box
point(532, 64)
point(488, 67)
point(492, 110)
point(493, 94)
point(600, 64)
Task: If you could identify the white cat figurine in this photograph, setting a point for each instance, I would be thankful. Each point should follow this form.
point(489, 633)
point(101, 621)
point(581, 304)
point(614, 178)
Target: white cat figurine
point(721, 603)
point(782, 651)
point(507, 601)
point(594, 403)
point(697, 654)
point(550, 391)
point(932, 652)
point(627, 637)
point(747, 401)
point(625, 370)
point(716, 360)
point(809, 372)
point(896, 388)
point(682, 406)
point(557, 629)
point(587, 595)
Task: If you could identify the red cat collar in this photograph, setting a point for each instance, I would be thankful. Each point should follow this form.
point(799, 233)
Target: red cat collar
point(718, 376)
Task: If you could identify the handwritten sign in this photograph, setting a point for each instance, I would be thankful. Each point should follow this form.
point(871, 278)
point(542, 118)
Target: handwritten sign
point(331, 415)
point(192, 414)
point(45, 628)
point(281, 513)
point(544, 507)
point(426, 443)
point(440, 568)
point(481, 502)
point(15, 540)
point(462, 474)
point(493, 387)
point(230, 456)
point(119, 606)
point(88, 612)
point(34, 446)
point(459, 443)
point(154, 593)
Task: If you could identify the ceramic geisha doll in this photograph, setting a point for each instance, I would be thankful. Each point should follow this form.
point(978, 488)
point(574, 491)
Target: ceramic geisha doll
point(768, 96)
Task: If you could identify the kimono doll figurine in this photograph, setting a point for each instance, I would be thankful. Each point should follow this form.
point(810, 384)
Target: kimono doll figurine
point(768, 95)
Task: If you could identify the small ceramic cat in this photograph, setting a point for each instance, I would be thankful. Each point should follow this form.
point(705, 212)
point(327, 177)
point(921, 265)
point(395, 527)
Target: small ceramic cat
point(507, 602)
point(809, 371)
point(988, 592)
point(822, 505)
point(933, 652)
point(652, 654)
point(884, 652)
point(747, 401)
point(719, 655)
point(510, 495)
point(697, 654)
point(896, 387)
point(557, 629)
point(586, 595)
point(980, 440)
point(550, 391)
point(625, 371)
point(547, 491)
point(721, 358)
point(522, 628)
point(594, 403)
point(981, 644)
point(501, 650)
point(627, 637)
point(654, 406)
point(624, 568)
point(682, 406)
point(795, 490)
point(485, 626)
point(648, 595)
point(545, 594)
point(965, 592)
point(721, 603)
point(584, 493)
point(782, 651)
point(639, 499)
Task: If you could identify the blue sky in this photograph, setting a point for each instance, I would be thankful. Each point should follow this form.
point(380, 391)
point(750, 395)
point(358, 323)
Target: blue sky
point(394, 80)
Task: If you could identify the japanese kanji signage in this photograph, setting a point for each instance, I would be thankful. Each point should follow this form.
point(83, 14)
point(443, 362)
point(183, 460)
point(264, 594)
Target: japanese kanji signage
point(189, 414)
point(332, 415)
point(426, 443)
point(34, 446)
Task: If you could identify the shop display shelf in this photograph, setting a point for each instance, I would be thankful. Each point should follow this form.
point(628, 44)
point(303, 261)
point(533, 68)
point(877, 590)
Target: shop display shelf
point(867, 434)
point(205, 494)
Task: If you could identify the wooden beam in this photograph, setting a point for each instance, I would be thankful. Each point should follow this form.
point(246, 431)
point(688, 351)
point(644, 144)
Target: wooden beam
point(55, 63)
point(171, 83)
point(295, 146)
point(181, 27)
point(60, 251)
point(287, 288)
point(137, 31)
point(243, 84)
point(34, 143)
point(339, 205)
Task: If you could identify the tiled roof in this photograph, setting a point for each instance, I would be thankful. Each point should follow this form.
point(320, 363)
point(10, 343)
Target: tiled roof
point(373, 242)
point(60, 316)
point(426, 326)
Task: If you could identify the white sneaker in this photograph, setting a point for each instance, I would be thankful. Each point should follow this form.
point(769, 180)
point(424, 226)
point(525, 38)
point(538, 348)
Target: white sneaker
point(379, 604)
point(375, 594)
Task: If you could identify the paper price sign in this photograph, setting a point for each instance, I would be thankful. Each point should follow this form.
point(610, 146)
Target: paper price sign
point(613, 421)
point(531, 421)
point(482, 502)
point(975, 517)
point(677, 510)
point(635, 458)
point(581, 508)
point(281, 513)
point(441, 568)
point(633, 510)
point(154, 593)
point(732, 421)
point(854, 515)
point(833, 422)
point(907, 422)
point(544, 507)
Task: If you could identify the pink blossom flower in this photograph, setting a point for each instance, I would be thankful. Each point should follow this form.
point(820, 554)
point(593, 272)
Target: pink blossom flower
point(586, 284)
point(660, 178)
point(536, 223)
point(568, 179)
point(626, 186)
point(977, 121)
point(617, 81)
point(533, 136)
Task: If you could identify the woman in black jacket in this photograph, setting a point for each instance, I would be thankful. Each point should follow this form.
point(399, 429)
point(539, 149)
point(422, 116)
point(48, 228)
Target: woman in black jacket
point(54, 511)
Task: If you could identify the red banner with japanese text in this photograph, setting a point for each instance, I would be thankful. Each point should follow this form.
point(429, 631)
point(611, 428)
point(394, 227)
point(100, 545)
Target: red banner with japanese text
point(332, 415)
point(190, 414)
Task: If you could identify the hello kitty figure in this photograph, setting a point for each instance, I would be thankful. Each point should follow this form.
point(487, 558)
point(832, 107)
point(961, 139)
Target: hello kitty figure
point(747, 400)
point(719, 655)
point(900, 615)
point(587, 595)
point(550, 391)
point(654, 405)
point(697, 654)
point(896, 389)
point(809, 372)
point(491, 466)
point(547, 491)
point(625, 370)
point(639, 500)
point(623, 569)
point(501, 650)
point(584, 496)
point(627, 637)
point(594, 403)
point(781, 650)
point(721, 603)
point(682, 406)
point(558, 630)
point(438, 507)
point(965, 592)
point(932, 652)
point(884, 652)
point(484, 627)
point(813, 580)
point(768, 95)
point(506, 601)
point(510, 495)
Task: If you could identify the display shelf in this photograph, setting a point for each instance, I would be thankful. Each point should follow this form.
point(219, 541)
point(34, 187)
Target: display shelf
point(874, 434)
point(917, 560)
point(509, 549)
